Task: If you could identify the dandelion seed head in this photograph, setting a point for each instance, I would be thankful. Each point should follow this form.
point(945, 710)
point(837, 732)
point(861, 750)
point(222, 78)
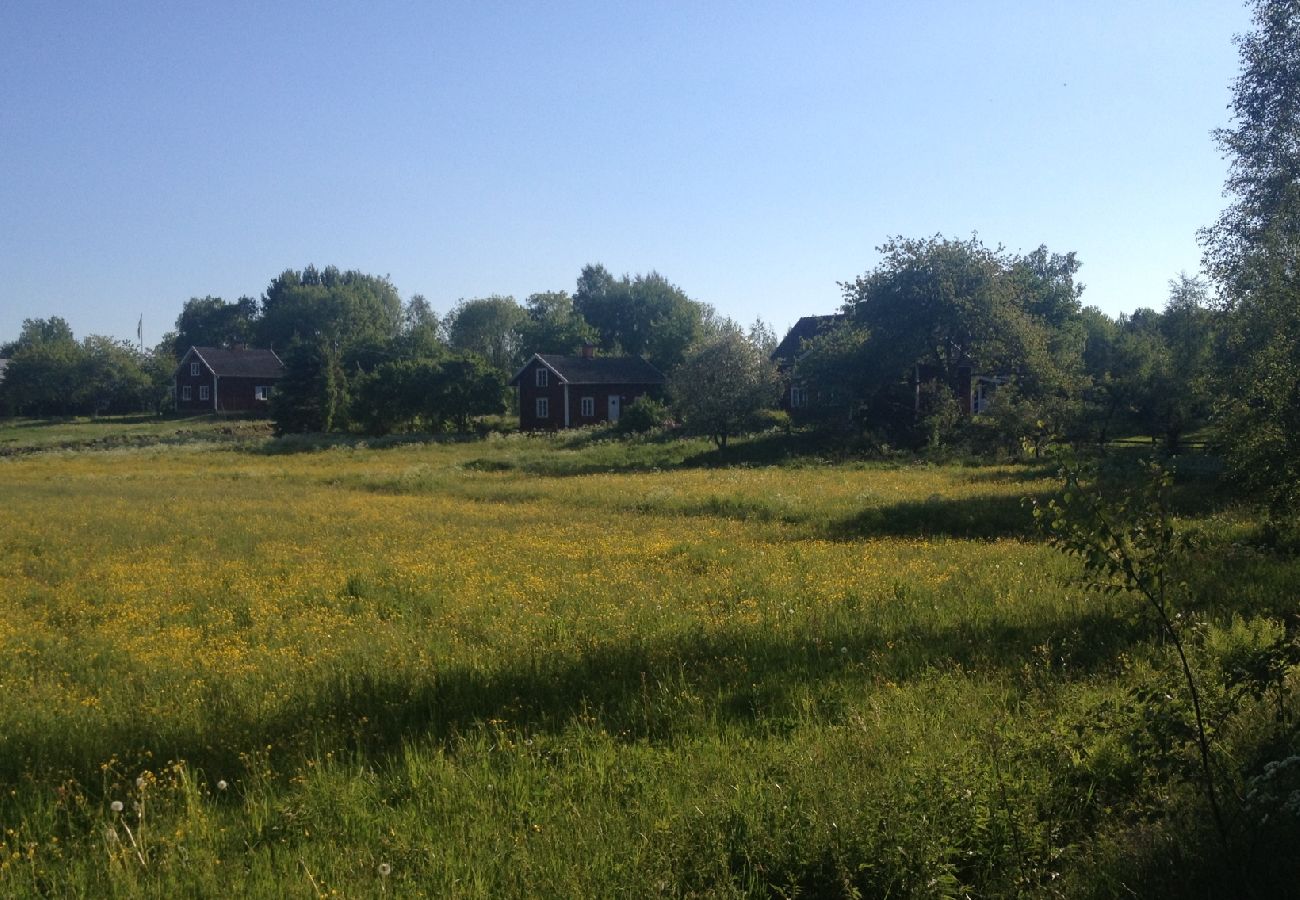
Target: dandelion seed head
point(384, 869)
point(115, 806)
point(221, 785)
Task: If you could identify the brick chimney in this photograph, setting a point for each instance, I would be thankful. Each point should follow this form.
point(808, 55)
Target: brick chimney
point(588, 351)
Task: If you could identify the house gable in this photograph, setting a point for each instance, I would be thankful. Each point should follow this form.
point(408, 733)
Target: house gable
point(217, 379)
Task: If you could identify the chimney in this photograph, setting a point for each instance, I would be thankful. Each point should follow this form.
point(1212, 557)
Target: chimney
point(588, 351)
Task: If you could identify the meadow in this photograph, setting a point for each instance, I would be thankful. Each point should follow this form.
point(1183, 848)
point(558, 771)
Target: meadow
point(583, 667)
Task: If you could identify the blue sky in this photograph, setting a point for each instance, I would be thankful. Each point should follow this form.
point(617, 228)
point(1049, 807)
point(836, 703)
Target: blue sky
point(754, 153)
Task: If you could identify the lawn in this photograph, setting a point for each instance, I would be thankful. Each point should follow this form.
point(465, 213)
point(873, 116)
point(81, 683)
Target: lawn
point(578, 667)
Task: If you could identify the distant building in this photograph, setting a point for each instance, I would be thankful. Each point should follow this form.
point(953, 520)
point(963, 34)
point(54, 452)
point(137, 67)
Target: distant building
point(4, 364)
point(796, 393)
point(226, 380)
point(571, 391)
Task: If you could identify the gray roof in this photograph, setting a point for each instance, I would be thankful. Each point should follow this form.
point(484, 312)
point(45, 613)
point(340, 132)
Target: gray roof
point(598, 369)
point(247, 362)
point(805, 329)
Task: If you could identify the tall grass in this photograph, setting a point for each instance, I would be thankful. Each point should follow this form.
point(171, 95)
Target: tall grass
point(573, 667)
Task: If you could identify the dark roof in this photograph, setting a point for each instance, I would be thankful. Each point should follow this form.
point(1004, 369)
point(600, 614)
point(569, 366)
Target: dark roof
point(805, 329)
point(598, 369)
point(247, 362)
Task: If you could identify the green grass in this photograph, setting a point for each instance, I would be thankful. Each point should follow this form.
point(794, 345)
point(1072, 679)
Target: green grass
point(574, 666)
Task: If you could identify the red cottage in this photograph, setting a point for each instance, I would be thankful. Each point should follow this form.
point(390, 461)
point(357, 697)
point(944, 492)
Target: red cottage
point(237, 380)
point(572, 391)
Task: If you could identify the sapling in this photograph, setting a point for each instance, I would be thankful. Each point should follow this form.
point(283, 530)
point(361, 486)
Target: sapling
point(1128, 545)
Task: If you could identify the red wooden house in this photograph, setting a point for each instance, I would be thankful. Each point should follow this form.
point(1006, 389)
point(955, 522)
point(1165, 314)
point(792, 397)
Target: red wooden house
point(223, 380)
point(571, 391)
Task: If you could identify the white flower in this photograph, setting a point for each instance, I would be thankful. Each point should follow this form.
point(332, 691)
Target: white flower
point(139, 783)
point(115, 806)
point(384, 870)
point(221, 785)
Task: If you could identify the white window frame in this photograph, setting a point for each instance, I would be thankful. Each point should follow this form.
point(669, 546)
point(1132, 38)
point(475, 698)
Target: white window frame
point(261, 392)
point(194, 370)
point(187, 392)
point(205, 392)
point(798, 396)
point(543, 377)
point(542, 408)
point(588, 406)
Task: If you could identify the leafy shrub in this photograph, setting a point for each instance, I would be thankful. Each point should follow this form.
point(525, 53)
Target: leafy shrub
point(645, 413)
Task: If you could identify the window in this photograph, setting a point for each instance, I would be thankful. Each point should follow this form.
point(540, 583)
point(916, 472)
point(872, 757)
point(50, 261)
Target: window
point(261, 392)
point(543, 408)
point(203, 392)
point(194, 370)
point(798, 396)
point(187, 393)
point(588, 406)
point(543, 377)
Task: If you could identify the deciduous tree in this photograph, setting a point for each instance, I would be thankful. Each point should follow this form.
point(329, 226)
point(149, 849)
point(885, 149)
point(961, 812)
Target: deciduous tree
point(1253, 254)
point(721, 384)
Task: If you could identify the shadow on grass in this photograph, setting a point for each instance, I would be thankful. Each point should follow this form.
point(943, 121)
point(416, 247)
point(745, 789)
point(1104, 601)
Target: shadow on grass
point(640, 690)
point(981, 518)
point(292, 444)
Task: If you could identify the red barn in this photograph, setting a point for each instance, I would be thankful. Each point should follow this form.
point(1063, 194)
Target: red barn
point(572, 391)
point(221, 380)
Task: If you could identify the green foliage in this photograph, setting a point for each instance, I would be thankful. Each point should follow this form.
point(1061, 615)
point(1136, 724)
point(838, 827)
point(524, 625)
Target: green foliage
point(643, 414)
point(408, 394)
point(211, 322)
point(721, 384)
point(490, 327)
point(343, 309)
point(941, 415)
point(50, 373)
point(554, 325)
point(1251, 252)
point(643, 316)
point(836, 369)
point(313, 391)
point(1128, 546)
point(947, 304)
point(421, 332)
point(467, 387)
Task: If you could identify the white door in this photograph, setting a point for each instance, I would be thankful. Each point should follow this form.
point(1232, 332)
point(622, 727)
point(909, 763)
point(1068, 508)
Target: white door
point(613, 407)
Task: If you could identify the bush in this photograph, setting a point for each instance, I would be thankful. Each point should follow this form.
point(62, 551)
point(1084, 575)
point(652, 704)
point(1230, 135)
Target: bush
point(645, 413)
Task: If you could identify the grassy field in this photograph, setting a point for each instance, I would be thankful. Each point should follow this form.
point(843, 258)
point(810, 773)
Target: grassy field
point(232, 666)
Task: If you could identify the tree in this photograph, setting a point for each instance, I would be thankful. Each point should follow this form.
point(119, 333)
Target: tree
point(466, 387)
point(721, 385)
point(111, 377)
point(420, 336)
point(490, 327)
point(212, 322)
point(553, 325)
point(313, 390)
point(1253, 254)
point(645, 316)
point(946, 304)
point(42, 376)
point(942, 306)
point(836, 368)
point(345, 309)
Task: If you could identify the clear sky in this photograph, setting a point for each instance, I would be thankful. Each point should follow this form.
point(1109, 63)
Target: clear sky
point(755, 153)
